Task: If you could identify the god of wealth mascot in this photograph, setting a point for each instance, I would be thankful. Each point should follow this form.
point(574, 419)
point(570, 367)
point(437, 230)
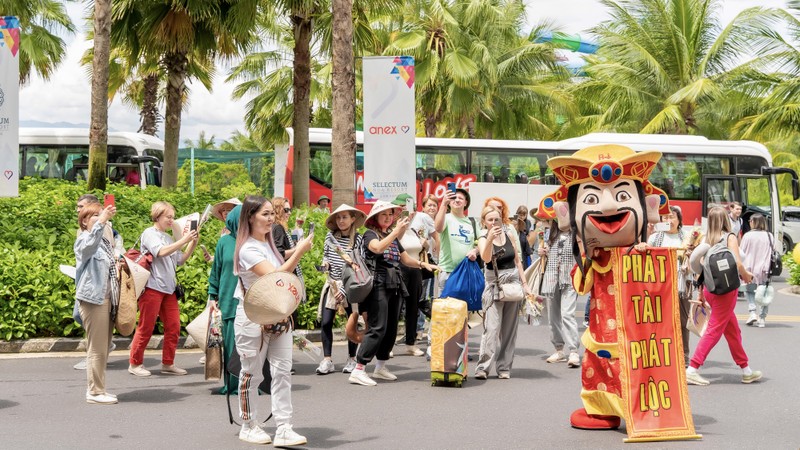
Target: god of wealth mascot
point(607, 201)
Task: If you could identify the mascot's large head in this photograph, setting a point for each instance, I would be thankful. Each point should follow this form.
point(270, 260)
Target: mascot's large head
point(605, 195)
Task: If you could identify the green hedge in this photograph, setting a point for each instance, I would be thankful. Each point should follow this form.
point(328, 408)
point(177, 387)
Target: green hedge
point(38, 233)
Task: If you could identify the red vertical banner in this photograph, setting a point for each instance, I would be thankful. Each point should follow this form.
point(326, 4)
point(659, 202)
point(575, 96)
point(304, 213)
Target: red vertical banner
point(653, 379)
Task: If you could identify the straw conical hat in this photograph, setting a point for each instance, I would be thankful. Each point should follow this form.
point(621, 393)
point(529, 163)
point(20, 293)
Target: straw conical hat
point(273, 298)
point(330, 222)
point(379, 207)
point(139, 274)
point(125, 322)
point(216, 210)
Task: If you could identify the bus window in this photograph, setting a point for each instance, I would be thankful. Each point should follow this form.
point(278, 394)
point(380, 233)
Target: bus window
point(440, 163)
point(320, 166)
point(492, 166)
point(755, 192)
point(750, 165)
point(680, 175)
point(156, 153)
point(720, 191)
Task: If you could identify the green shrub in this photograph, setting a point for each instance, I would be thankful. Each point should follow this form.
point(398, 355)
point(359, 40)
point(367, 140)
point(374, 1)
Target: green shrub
point(39, 231)
point(793, 268)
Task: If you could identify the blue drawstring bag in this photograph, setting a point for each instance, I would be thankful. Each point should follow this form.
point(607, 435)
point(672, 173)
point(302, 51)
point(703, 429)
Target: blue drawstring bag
point(466, 283)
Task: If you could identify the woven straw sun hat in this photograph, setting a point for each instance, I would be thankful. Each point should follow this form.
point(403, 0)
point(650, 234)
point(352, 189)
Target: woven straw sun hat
point(379, 207)
point(217, 209)
point(330, 222)
point(273, 298)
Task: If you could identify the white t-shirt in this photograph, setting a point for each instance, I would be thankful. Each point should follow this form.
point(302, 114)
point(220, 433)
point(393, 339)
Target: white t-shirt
point(162, 271)
point(411, 244)
point(424, 223)
point(669, 240)
point(251, 254)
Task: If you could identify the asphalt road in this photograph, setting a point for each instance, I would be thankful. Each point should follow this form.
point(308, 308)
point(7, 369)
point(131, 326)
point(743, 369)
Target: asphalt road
point(42, 402)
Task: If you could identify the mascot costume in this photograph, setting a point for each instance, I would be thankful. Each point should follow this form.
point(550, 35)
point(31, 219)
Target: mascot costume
point(607, 201)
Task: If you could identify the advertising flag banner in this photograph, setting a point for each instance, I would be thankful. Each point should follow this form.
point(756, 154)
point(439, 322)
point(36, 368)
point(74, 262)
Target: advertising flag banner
point(9, 107)
point(389, 128)
point(653, 379)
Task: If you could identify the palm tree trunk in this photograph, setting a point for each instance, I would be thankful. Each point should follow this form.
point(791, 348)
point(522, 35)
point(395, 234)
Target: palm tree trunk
point(98, 133)
point(343, 147)
point(301, 87)
point(432, 124)
point(148, 116)
point(176, 78)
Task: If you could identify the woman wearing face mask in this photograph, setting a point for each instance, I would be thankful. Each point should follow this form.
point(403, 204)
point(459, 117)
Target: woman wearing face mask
point(382, 249)
point(342, 237)
point(158, 298)
point(255, 256)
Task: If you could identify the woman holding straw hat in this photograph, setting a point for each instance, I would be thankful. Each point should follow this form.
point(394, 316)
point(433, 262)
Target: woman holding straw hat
point(343, 237)
point(383, 251)
point(256, 255)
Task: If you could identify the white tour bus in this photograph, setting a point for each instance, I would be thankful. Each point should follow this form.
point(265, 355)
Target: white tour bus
point(64, 153)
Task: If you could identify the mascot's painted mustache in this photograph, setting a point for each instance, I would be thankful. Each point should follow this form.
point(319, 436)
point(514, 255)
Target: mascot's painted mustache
point(607, 201)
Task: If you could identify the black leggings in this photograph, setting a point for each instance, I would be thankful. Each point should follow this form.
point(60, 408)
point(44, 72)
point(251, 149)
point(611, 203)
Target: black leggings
point(383, 311)
point(328, 316)
point(413, 280)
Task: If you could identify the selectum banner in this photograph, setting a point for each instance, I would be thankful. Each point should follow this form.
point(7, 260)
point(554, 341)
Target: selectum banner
point(389, 128)
point(654, 391)
point(9, 107)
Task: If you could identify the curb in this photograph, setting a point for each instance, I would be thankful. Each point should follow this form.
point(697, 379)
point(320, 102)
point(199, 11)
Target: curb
point(44, 345)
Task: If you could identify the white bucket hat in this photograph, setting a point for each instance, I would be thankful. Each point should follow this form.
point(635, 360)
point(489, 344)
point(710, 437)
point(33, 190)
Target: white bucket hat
point(273, 298)
point(330, 222)
point(217, 209)
point(379, 207)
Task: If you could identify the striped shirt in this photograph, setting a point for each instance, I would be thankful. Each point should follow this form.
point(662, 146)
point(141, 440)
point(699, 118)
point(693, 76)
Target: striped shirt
point(330, 256)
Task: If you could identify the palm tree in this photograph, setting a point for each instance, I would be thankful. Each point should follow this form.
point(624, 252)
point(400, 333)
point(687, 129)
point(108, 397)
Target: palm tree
point(202, 142)
point(177, 32)
point(343, 144)
point(664, 65)
point(98, 131)
point(778, 91)
point(41, 49)
point(477, 74)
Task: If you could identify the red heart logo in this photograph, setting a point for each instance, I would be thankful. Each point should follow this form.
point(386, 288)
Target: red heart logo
point(8, 174)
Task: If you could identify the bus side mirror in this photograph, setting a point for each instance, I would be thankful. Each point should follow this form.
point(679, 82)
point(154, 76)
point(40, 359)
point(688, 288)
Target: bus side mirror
point(795, 188)
point(779, 170)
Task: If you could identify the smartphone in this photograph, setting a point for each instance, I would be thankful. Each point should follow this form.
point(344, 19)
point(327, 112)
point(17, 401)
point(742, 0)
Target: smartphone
point(410, 205)
point(192, 225)
point(319, 268)
point(108, 200)
point(661, 226)
point(205, 251)
point(311, 227)
point(405, 213)
point(451, 187)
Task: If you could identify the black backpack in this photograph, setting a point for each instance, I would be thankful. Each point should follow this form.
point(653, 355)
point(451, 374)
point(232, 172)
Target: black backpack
point(720, 273)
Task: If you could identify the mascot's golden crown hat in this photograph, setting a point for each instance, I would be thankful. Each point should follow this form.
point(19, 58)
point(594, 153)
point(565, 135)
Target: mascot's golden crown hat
point(602, 164)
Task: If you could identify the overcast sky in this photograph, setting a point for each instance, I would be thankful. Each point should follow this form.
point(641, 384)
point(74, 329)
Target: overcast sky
point(66, 97)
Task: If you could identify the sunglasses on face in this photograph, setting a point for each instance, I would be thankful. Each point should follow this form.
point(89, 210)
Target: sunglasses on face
point(287, 210)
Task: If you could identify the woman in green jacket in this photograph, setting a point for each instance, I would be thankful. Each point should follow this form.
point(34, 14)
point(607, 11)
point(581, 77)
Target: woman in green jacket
point(221, 284)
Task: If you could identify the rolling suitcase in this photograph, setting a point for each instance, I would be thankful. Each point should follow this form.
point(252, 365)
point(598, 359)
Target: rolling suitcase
point(449, 341)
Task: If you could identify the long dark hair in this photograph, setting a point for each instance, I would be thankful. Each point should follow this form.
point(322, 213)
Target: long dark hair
point(572, 201)
point(250, 207)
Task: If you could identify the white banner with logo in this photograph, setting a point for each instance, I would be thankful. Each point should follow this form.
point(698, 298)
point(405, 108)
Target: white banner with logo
point(9, 107)
point(389, 128)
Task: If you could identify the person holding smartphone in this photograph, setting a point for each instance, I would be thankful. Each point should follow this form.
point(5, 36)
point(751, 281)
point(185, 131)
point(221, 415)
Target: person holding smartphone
point(158, 298)
point(458, 233)
point(412, 276)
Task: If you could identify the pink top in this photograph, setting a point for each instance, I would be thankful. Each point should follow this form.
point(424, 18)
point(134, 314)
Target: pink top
point(756, 249)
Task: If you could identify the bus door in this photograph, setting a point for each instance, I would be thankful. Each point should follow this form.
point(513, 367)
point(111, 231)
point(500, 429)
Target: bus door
point(149, 170)
point(719, 190)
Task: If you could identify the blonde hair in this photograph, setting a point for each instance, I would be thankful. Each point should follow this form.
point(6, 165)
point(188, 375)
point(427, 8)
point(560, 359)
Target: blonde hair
point(280, 215)
point(486, 211)
point(158, 209)
point(719, 224)
point(88, 211)
point(430, 198)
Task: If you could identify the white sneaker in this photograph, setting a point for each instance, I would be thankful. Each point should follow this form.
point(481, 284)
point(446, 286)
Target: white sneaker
point(556, 357)
point(413, 350)
point(350, 366)
point(752, 319)
point(286, 437)
point(202, 361)
point(325, 367)
point(81, 365)
point(574, 360)
point(361, 377)
point(112, 347)
point(762, 322)
point(383, 374)
point(172, 370)
point(139, 370)
point(253, 434)
point(101, 399)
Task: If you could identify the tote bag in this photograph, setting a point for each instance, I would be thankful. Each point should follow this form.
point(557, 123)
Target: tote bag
point(466, 283)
